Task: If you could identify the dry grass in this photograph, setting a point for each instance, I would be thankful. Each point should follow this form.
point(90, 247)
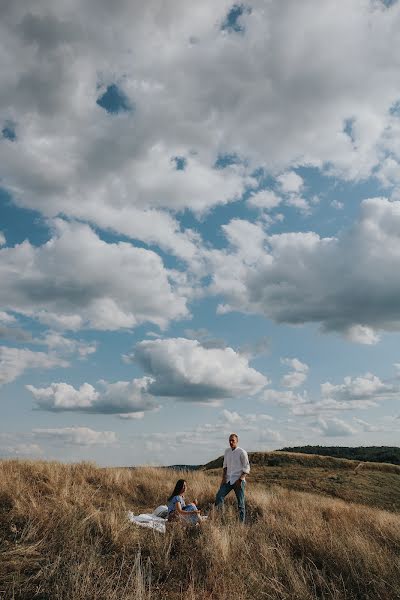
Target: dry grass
point(64, 535)
point(374, 484)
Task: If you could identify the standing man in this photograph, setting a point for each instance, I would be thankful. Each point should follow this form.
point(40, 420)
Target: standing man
point(235, 468)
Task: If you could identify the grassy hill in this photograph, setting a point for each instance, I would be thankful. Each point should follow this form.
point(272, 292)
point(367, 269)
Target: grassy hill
point(64, 535)
point(373, 484)
point(382, 454)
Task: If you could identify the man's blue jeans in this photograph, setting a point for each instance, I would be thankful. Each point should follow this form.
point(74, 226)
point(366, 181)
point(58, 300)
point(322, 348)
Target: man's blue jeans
point(224, 491)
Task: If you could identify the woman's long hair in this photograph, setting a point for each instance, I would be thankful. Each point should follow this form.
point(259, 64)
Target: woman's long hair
point(177, 489)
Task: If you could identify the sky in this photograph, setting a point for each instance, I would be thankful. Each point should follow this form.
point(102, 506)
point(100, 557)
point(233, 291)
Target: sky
point(199, 227)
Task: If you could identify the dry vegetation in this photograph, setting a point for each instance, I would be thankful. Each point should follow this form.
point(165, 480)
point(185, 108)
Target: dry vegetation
point(374, 484)
point(64, 535)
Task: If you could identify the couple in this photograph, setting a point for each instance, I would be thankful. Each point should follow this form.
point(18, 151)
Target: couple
point(235, 468)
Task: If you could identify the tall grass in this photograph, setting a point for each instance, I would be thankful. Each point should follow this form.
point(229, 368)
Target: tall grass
point(64, 534)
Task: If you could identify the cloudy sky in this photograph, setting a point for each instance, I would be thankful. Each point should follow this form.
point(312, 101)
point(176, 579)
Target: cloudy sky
point(199, 227)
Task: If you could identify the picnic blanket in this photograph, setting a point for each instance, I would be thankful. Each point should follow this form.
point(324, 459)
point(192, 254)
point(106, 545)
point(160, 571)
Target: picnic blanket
point(152, 520)
point(149, 520)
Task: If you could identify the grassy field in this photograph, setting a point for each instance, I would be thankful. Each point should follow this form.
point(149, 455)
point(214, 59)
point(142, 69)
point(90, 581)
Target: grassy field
point(373, 484)
point(64, 534)
point(382, 454)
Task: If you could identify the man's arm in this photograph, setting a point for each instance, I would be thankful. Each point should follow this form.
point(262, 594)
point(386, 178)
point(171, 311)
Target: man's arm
point(223, 480)
point(224, 470)
point(244, 459)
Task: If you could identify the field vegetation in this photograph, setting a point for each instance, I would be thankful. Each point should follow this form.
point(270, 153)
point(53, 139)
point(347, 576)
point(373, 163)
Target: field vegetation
point(374, 484)
point(64, 534)
point(389, 454)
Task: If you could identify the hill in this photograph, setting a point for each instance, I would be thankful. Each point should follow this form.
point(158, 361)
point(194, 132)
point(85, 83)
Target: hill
point(382, 454)
point(64, 534)
point(373, 484)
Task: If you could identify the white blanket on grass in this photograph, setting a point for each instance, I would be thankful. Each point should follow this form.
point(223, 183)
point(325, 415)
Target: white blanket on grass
point(148, 520)
point(151, 521)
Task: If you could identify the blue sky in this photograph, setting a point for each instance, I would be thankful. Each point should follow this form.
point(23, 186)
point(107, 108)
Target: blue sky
point(199, 228)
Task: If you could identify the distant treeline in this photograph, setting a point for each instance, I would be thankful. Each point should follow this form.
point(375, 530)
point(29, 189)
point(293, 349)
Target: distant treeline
point(184, 467)
point(385, 454)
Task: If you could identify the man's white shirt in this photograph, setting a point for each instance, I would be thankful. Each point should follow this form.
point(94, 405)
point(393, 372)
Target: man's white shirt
point(236, 462)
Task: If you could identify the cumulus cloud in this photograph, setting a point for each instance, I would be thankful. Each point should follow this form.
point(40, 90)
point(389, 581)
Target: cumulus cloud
point(183, 368)
point(79, 436)
point(345, 283)
point(174, 367)
point(333, 427)
point(15, 334)
point(77, 280)
point(15, 361)
point(2, 239)
point(6, 317)
point(367, 387)
point(297, 376)
point(284, 398)
point(264, 199)
point(129, 399)
point(360, 392)
point(368, 427)
point(10, 447)
point(362, 334)
point(290, 182)
point(243, 421)
point(54, 340)
point(270, 436)
point(189, 97)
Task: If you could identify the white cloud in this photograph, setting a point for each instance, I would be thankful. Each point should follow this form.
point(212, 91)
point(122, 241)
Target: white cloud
point(300, 277)
point(190, 99)
point(264, 199)
point(78, 280)
point(15, 334)
point(248, 238)
point(6, 317)
point(62, 396)
point(15, 361)
point(298, 202)
point(126, 398)
point(365, 387)
point(362, 335)
point(183, 368)
point(12, 449)
point(80, 436)
point(2, 239)
point(333, 427)
point(297, 376)
point(270, 436)
point(294, 379)
point(368, 427)
point(243, 421)
point(284, 398)
point(360, 393)
point(290, 182)
point(56, 341)
point(232, 417)
point(336, 204)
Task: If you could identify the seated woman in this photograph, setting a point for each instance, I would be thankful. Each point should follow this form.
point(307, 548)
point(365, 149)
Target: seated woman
point(178, 510)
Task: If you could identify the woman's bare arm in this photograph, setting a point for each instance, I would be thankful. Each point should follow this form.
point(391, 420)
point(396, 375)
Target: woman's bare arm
point(180, 511)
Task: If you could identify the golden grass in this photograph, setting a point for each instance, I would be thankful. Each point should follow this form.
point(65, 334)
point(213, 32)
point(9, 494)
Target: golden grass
point(64, 535)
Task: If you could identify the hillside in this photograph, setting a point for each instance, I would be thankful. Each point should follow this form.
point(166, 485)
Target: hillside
point(373, 484)
point(64, 534)
point(382, 454)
